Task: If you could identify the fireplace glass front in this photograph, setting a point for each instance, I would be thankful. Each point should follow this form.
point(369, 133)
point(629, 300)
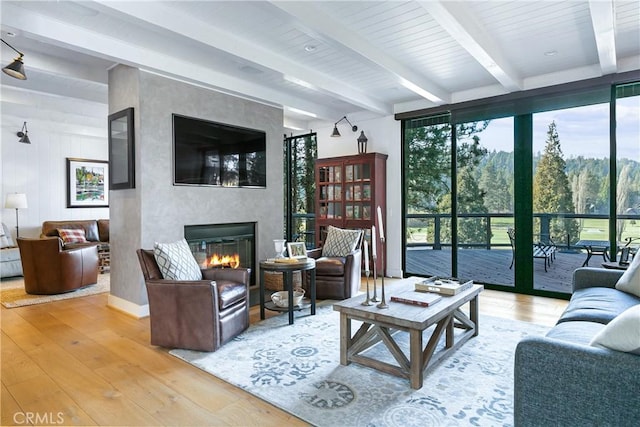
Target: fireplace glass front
point(223, 245)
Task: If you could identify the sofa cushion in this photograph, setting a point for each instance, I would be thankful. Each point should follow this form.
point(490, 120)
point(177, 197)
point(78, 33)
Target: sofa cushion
point(576, 332)
point(630, 280)
point(230, 293)
point(103, 230)
point(622, 333)
point(90, 227)
point(176, 262)
point(10, 254)
point(76, 235)
point(599, 305)
point(340, 242)
point(330, 266)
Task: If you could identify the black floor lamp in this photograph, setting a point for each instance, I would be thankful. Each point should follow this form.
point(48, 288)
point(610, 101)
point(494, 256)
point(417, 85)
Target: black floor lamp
point(16, 201)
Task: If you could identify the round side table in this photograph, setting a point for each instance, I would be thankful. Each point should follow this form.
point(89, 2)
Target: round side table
point(287, 269)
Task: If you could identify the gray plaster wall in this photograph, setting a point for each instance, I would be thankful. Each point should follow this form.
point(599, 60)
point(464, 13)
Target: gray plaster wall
point(157, 211)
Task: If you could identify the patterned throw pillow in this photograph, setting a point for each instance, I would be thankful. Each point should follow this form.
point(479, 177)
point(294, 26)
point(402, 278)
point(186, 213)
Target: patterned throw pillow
point(340, 242)
point(176, 261)
point(75, 235)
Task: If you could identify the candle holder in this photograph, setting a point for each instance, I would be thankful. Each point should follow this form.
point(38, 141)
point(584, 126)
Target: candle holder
point(375, 279)
point(279, 247)
point(383, 302)
point(367, 301)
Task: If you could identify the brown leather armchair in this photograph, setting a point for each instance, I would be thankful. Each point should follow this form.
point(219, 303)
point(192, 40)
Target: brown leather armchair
point(49, 269)
point(337, 277)
point(197, 315)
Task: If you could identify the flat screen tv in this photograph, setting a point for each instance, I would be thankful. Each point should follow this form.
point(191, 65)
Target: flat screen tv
point(217, 154)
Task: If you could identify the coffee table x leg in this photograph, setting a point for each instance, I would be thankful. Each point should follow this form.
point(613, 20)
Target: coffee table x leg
point(372, 332)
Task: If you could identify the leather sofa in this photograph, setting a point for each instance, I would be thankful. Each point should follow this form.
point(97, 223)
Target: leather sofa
point(197, 315)
point(96, 231)
point(50, 269)
point(10, 264)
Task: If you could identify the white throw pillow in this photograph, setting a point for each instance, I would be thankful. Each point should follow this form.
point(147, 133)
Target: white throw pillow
point(5, 238)
point(630, 281)
point(340, 242)
point(622, 333)
point(176, 261)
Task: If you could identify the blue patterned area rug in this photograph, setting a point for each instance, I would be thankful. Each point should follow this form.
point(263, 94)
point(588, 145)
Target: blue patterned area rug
point(297, 368)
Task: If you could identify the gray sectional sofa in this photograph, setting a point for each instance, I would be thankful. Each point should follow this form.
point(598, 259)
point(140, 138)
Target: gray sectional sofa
point(10, 264)
point(562, 380)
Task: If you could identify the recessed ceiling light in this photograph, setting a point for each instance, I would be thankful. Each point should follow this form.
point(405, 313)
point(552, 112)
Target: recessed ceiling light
point(11, 34)
point(551, 53)
point(310, 47)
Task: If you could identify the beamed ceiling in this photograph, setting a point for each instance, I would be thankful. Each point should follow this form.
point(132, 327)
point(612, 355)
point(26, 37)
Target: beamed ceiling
point(325, 58)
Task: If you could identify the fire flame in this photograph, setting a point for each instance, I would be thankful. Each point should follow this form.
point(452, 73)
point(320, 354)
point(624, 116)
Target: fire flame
point(232, 261)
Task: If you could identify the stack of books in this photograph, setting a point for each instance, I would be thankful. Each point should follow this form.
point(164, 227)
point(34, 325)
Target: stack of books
point(442, 286)
point(416, 298)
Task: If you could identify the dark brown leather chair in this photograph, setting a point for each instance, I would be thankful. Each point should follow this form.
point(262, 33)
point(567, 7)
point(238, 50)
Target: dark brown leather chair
point(337, 277)
point(49, 269)
point(197, 315)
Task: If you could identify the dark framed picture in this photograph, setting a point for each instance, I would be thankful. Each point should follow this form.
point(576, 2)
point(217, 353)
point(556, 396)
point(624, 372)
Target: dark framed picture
point(121, 150)
point(87, 183)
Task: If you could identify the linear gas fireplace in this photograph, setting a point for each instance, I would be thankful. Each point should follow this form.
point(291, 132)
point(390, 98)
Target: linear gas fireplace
point(223, 245)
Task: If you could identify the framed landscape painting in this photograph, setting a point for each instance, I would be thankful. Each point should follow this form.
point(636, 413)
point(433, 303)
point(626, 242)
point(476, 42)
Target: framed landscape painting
point(87, 183)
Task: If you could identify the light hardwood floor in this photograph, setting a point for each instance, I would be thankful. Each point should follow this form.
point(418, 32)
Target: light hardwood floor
point(78, 362)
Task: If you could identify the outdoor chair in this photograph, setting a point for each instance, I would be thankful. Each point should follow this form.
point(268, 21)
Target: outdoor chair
point(543, 250)
point(630, 249)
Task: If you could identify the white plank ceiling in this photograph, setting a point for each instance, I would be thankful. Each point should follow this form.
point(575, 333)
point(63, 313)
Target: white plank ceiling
point(326, 58)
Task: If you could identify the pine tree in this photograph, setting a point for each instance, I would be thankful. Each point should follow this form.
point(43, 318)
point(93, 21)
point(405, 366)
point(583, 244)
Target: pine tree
point(551, 189)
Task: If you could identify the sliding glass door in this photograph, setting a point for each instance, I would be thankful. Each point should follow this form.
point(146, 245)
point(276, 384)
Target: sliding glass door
point(570, 191)
point(427, 182)
point(300, 153)
point(627, 109)
point(522, 194)
point(484, 169)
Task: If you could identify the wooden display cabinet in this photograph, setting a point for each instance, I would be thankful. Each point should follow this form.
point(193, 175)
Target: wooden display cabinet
point(349, 190)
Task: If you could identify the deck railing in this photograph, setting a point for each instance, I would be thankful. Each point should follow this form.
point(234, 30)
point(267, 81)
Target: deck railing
point(433, 224)
point(304, 228)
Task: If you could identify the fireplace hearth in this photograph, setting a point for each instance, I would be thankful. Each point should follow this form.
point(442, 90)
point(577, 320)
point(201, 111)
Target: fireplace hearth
point(223, 245)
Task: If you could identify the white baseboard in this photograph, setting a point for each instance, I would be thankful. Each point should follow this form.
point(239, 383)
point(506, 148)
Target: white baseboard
point(127, 307)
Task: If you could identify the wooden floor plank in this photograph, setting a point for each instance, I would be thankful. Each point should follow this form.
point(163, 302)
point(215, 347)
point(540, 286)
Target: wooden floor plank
point(161, 401)
point(18, 367)
point(11, 412)
point(96, 366)
point(42, 397)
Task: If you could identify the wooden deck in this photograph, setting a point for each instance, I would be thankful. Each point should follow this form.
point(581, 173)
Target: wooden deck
point(492, 266)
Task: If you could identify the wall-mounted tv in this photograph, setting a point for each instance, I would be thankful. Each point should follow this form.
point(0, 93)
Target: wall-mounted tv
point(217, 154)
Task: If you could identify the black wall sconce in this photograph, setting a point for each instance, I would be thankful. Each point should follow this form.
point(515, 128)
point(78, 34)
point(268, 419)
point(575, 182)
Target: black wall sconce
point(362, 143)
point(16, 68)
point(24, 134)
point(336, 133)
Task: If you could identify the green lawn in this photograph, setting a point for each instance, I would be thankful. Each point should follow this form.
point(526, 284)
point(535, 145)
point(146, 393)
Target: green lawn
point(592, 229)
